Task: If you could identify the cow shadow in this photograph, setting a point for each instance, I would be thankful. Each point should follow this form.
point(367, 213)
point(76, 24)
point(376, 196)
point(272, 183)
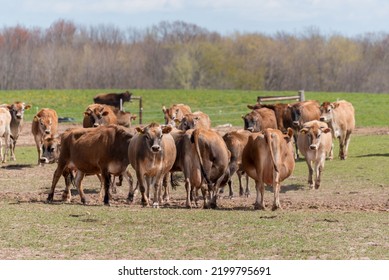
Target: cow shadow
point(18, 166)
point(287, 188)
point(373, 155)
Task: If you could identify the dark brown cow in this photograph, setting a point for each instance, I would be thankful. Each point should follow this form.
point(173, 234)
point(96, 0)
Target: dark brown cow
point(97, 114)
point(45, 123)
point(340, 117)
point(17, 113)
point(175, 113)
point(282, 112)
point(194, 120)
point(259, 119)
point(112, 99)
point(101, 150)
point(236, 141)
point(152, 154)
point(268, 159)
point(202, 156)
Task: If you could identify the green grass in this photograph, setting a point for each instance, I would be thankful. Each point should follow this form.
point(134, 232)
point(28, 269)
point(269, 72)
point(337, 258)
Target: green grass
point(222, 106)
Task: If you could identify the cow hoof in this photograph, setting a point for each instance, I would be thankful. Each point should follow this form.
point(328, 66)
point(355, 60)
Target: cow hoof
point(258, 206)
point(155, 205)
point(276, 207)
point(213, 205)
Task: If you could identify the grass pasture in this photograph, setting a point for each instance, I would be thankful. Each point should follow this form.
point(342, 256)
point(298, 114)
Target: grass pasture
point(347, 218)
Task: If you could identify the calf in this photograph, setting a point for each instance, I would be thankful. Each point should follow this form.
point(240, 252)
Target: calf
point(45, 123)
point(314, 142)
point(175, 113)
point(194, 120)
point(101, 150)
point(152, 154)
point(340, 117)
point(268, 159)
point(259, 119)
point(113, 99)
point(5, 132)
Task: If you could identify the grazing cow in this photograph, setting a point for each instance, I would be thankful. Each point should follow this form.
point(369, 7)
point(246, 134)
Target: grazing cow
point(236, 141)
point(259, 119)
point(314, 142)
point(113, 99)
point(152, 154)
point(268, 159)
point(194, 120)
point(97, 114)
point(17, 113)
point(5, 132)
point(45, 123)
point(101, 150)
point(304, 111)
point(340, 117)
point(175, 112)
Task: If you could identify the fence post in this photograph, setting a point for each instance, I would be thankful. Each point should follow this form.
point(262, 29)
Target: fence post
point(140, 109)
point(302, 95)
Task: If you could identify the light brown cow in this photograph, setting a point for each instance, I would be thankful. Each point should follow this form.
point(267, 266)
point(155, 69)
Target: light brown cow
point(17, 113)
point(282, 112)
point(194, 120)
point(5, 132)
point(175, 112)
point(259, 119)
point(203, 157)
point(304, 111)
point(268, 158)
point(152, 154)
point(98, 114)
point(45, 123)
point(340, 117)
point(101, 150)
point(236, 141)
point(315, 142)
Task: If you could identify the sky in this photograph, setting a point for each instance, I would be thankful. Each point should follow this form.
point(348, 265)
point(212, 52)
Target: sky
point(345, 17)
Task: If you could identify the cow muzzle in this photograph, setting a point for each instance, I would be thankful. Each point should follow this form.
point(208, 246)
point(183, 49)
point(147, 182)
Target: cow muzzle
point(156, 148)
point(323, 119)
point(313, 147)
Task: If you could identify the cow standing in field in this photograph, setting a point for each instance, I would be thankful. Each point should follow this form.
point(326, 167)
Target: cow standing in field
point(175, 113)
point(282, 113)
point(5, 132)
point(268, 158)
point(152, 154)
point(259, 119)
point(17, 114)
point(304, 111)
point(340, 117)
point(101, 150)
point(113, 99)
point(315, 142)
point(44, 124)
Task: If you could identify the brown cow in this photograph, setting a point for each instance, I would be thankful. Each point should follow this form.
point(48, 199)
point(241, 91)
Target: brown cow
point(304, 111)
point(268, 158)
point(17, 113)
point(124, 118)
point(45, 123)
point(282, 112)
point(5, 132)
point(97, 114)
point(113, 99)
point(152, 154)
point(340, 117)
point(236, 141)
point(194, 120)
point(175, 112)
point(315, 142)
point(259, 119)
point(101, 150)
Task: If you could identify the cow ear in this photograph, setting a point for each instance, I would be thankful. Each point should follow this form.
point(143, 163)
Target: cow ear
point(105, 113)
point(133, 117)
point(304, 130)
point(164, 109)
point(177, 122)
point(290, 132)
point(335, 105)
point(326, 130)
point(27, 107)
point(86, 113)
point(166, 129)
point(140, 130)
point(36, 119)
point(251, 107)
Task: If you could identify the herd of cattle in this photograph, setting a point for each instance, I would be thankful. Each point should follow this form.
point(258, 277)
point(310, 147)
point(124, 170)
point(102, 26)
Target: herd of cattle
point(107, 145)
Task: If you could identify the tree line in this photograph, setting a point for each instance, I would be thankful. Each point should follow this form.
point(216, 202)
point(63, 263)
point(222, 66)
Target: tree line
point(181, 55)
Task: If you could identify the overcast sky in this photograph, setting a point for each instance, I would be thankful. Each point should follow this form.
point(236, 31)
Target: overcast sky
point(346, 17)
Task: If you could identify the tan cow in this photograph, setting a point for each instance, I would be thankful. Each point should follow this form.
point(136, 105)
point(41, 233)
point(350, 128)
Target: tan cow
point(268, 159)
point(152, 154)
point(259, 119)
point(175, 113)
point(194, 120)
point(17, 113)
point(5, 132)
point(45, 123)
point(98, 114)
point(101, 150)
point(340, 117)
point(315, 142)
point(304, 111)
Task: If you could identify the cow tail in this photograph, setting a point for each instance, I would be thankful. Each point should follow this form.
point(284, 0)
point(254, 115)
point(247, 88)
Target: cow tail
point(269, 136)
point(195, 139)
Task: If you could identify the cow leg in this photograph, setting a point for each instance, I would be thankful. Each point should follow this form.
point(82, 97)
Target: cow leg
point(79, 177)
point(156, 186)
point(107, 183)
point(142, 183)
point(247, 186)
point(131, 191)
point(276, 189)
point(57, 174)
point(259, 201)
point(310, 172)
point(1, 151)
point(101, 187)
point(189, 196)
point(38, 148)
point(347, 142)
point(331, 155)
point(69, 180)
point(12, 145)
point(166, 191)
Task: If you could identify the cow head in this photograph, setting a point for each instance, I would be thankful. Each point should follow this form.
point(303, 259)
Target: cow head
point(126, 96)
point(50, 149)
point(326, 111)
point(17, 109)
point(153, 134)
point(295, 111)
point(44, 124)
point(314, 133)
point(171, 115)
point(97, 115)
point(252, 121)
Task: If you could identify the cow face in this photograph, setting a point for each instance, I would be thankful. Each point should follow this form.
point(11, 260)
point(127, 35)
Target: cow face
point(171, 115)
point(252, 122)
point(326, 110)
point(17, 110)
point(44, 125)
point(188, 122)
point(126, 96)
point(50, 150)
point(153, 136)
point(314, 134)
point(296, 115)
point(97, 116)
